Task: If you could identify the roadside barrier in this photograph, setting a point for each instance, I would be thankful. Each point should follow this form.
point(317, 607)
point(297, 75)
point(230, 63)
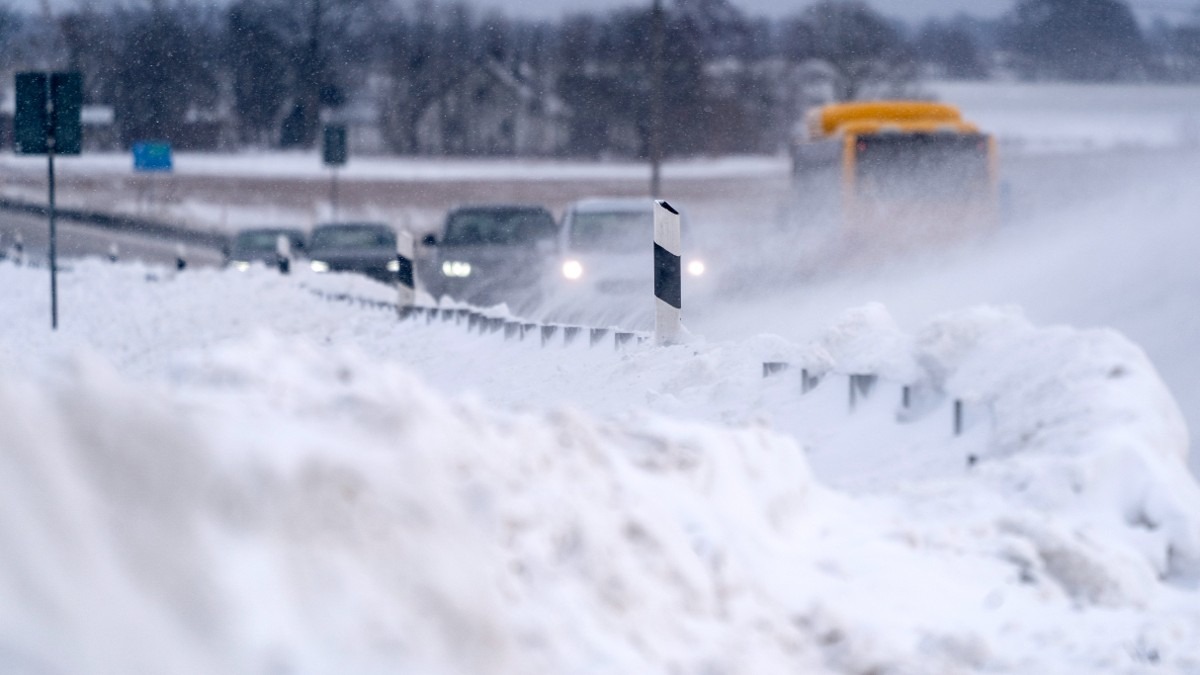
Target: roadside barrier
point(475, 321)
point(122, 223)
point(917, 399)
point(513, 329)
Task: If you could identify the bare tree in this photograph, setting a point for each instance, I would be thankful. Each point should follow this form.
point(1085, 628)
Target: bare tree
point(865, 50)
point(1077, 39)
point(258, 67)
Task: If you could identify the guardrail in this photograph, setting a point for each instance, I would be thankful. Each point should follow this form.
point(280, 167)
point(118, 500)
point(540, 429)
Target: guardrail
point(481, 322)
point(917, 399)
point(121, 223)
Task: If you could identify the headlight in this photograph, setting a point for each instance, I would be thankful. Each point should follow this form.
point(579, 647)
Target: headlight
point(572, 269)
point(241, 265)
point(456, 269)
point(393, 266)
point(696, 268)
point(319, 266)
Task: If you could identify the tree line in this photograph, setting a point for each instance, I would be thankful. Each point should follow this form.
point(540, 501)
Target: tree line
point(445, 79)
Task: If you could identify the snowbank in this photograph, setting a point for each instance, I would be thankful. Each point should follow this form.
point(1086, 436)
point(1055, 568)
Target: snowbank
point(184, 490)
point(285, 508)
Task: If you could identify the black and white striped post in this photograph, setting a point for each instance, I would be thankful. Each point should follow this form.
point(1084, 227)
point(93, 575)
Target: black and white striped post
point(668, 274)
point(283, 254)
point(406, 283)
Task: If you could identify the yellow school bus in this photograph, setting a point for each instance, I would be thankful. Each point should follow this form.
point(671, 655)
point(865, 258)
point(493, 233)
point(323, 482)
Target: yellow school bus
point(901, 166)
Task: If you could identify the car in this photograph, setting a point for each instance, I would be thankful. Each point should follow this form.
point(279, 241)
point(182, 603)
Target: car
point(491, 254)
point(261, 244)
point(606, 247)
point(366, 248)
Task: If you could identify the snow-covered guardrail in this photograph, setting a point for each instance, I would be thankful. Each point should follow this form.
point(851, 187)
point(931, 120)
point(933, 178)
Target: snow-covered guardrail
point(519, 330)
point(513, 329)
point(916, 398)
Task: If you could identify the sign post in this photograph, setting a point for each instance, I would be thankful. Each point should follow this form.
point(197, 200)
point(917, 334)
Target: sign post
point(334, 155)
point(46, 122)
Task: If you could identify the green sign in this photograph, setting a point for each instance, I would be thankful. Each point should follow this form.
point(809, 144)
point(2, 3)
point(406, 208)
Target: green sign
point(66, 90)
point(34, 122)
point(31, 118)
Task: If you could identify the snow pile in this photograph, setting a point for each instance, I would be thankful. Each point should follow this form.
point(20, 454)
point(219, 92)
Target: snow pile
point(282, 508)
point(1085, 425)
point(223, 499)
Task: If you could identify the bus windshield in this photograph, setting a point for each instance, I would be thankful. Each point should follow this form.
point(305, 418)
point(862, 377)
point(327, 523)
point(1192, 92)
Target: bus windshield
point(921, 165)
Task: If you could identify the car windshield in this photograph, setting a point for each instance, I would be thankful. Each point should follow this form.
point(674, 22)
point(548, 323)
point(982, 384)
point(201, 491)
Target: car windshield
point(352, 237)
point(257, 241)
point(616, 231)
point(499, 226)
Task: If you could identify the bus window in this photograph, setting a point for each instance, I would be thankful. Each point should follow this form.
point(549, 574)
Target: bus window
point(917, 166)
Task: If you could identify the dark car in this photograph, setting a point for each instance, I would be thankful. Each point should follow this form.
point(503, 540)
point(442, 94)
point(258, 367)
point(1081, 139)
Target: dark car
point(261, 244)
point(367, 248)
point(491, 254)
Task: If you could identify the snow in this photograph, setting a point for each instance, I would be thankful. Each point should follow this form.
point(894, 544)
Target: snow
point(307, 165)
point(1056, 117)
point(215, 471)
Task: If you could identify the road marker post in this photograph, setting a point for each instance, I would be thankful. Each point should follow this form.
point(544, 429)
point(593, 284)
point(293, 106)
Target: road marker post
point(406, 287)
point(668, 274)
point(283, 254)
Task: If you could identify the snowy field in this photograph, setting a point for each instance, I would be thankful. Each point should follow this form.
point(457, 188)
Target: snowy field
point(217, 472)
point(1038, 118)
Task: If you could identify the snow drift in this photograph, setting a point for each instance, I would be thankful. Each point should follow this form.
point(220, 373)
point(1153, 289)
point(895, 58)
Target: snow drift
point(193, 493)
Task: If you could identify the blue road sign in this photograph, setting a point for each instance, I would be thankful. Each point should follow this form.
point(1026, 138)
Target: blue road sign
point(152, 156)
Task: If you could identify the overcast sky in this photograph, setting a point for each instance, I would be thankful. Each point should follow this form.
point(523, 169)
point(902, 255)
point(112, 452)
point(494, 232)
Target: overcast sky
point(912, 10)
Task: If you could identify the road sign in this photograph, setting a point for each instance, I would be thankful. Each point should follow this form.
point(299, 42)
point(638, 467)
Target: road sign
point(335, 145)
point(31, 118)
point(66, 90)
point(35, 123)
point(152, 156)
point(46, 122)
